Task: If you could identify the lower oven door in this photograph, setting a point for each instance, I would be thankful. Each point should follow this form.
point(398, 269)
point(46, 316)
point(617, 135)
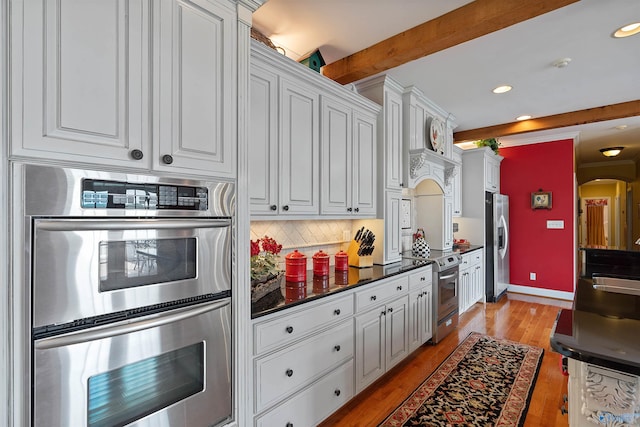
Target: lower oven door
point(447, 292)
point(171, 369)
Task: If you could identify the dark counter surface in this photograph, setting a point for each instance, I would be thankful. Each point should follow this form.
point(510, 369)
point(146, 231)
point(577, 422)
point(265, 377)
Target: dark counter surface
point(335, 282)
point(602, 328)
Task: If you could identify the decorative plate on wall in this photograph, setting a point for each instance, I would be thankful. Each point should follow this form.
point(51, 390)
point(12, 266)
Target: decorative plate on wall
point(436, 135)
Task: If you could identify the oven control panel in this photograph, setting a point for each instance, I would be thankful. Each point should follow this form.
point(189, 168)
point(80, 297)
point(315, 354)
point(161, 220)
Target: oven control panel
point(101, 194)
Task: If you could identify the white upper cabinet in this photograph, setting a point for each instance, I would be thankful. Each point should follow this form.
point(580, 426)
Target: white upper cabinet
point(348, 158)
point(125, 83)
point(456, 182)
point(194, 91)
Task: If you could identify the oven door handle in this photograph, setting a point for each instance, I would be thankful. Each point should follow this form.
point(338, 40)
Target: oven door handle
point(129, 224)
point(129, 326)
point(448, 276)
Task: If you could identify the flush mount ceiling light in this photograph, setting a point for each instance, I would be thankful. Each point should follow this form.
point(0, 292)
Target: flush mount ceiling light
point(611, 151)
point(627, 30)
point(621, 127)
point(523, 117)
point(502, 89)
point(561, 63)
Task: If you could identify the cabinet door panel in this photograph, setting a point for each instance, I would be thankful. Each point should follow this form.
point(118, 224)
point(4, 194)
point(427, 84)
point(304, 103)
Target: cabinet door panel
point(336, 160)
point(392, 230)
point(397, 330)
point(370, 337)
point(299, 149)
point(364, 165)
point(79, 74)
point(195, 86)
point(393, 137)
point(263, 140)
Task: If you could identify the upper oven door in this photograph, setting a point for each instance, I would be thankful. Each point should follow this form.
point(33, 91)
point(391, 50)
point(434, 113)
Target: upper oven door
point(89, 267)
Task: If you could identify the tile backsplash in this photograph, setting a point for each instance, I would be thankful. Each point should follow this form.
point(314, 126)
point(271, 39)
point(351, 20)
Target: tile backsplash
point(308, 236)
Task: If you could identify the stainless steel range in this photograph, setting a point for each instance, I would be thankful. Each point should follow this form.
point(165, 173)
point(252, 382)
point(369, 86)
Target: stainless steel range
point(445, 292)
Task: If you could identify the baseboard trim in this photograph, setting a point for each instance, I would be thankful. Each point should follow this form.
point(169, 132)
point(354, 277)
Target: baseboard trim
point(548, 293)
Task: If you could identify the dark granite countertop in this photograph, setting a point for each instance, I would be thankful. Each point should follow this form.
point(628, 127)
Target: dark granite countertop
point(602, 329)
point(319, 287)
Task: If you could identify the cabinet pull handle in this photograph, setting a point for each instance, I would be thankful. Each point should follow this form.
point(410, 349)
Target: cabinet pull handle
point(337, 348)
point(373, 297)
point(390, 310)
point(289, 372)
point(285, 208)
point(337, 392)
point(422, 279)
point(357, 209)
point(167, 159)
point(289, 425)
point(336, 312)
point(273, 207)
point(289, 329)
point(349, 209)
point(399, 288)
point(136, 154)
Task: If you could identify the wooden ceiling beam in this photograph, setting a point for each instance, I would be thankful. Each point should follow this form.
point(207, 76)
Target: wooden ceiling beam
point(468, 22)
point(573, 118)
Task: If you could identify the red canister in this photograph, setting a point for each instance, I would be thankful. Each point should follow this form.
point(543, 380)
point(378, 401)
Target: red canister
point(296, 267)
point(342, 261)
point(320, 264)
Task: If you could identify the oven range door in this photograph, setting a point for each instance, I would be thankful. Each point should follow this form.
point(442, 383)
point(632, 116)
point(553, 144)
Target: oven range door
point(172, 369)
point(95, 266)
point(447, 293)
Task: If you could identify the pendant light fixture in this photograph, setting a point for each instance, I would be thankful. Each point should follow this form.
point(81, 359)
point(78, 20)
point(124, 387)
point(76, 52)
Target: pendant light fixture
point(611, 151)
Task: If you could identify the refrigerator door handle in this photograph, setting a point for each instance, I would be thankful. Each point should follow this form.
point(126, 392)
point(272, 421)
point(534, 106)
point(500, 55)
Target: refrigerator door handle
point(502, 249)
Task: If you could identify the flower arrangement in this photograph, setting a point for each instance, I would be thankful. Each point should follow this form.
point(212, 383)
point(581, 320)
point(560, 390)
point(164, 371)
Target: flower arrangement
point(491, 142)
point(264, 259)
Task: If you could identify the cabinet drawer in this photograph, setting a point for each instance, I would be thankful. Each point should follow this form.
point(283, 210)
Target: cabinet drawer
point(292, 326)
point(315, 403)
point(369, 297)
point(281, 373)
point(422, 277)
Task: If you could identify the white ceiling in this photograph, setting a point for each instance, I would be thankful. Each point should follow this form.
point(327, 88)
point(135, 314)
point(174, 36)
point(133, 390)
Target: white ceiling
point(602, 71)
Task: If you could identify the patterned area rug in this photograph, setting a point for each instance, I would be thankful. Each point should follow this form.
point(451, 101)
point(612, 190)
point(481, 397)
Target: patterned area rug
point(484, 382)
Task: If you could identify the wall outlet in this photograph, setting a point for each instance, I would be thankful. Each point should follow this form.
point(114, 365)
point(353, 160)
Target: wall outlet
point(346, 235)
point(557, 224)
point(532, 276)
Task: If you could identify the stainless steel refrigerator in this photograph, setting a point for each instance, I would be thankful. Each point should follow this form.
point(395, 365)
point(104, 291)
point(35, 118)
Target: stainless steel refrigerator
point(496, 245)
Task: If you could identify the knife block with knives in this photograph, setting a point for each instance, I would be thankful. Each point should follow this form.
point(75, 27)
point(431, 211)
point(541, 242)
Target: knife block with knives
point(361, 248)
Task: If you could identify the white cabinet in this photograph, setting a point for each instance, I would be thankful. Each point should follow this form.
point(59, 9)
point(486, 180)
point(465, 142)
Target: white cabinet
point(456, 183)
point(492, 174)
point(382, 330)
point(348, 159)
point(471, 279)
point(388, 93)
point(303, 357)
point(388, 230)
point(125, 84)
point(420, 307)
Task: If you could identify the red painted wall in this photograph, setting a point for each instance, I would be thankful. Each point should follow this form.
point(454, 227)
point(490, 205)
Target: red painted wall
point(534, 248)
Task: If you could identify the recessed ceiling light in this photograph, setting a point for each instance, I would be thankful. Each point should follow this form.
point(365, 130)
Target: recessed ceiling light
point(611, 151)
point(502, 89)
point(523, 117)
point(627, 30)
point(561, 63)
point(621, 127)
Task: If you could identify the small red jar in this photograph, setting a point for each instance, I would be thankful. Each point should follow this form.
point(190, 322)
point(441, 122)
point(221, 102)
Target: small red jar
point(342, 261)
point(320, 264)
point(295, 267)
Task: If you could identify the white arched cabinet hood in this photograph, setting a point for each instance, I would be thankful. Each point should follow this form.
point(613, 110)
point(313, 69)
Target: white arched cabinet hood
point(427, 164)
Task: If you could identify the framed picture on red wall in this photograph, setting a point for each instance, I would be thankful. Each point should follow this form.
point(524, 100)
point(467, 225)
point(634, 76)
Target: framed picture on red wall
point(541, 200)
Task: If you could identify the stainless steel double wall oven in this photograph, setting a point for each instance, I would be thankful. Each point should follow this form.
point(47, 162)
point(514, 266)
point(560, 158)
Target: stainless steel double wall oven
point(130, 298)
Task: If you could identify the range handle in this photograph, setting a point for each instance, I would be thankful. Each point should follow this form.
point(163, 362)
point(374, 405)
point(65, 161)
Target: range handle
point(129, 326)
point(129, 224)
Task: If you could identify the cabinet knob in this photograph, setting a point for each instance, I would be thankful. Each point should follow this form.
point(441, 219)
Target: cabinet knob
point(422, 279)
point(337, 392)
point(289, 372)
point(336, 312)
point(285, 208)
point(273, 207)
point(336, 348)
point(289, 329)
point(384, 313)
point(373, 297)
point(136, 154)
point(390, 310)
point(357, 209)
point(349, 209)
point(289, 425)
point(399, 288)
point(167, 159)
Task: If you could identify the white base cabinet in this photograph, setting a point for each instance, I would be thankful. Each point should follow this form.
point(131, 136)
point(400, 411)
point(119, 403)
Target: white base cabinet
point(471, 279)
point(420, 307)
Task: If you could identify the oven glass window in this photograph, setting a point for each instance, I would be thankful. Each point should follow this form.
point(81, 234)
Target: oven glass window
point(131, 263)
point(126, 394)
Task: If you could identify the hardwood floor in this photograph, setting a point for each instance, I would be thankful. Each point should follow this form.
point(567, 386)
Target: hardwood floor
point(516, 317)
